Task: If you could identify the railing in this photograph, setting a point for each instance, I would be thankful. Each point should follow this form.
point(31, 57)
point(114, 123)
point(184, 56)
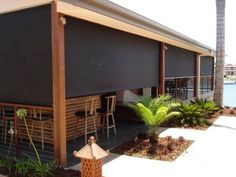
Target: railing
point(180, 88)
point(206, 84)
point(39, 120)
point(40, 123)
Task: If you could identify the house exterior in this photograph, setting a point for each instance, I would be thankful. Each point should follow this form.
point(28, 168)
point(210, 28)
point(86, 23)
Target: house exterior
point(230, 70)
point(52, 52)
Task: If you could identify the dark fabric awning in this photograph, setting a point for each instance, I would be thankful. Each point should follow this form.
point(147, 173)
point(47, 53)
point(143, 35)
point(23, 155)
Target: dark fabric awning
point(179, 62)
point(101, 59)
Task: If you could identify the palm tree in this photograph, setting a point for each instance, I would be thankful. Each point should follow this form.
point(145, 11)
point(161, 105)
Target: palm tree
point(220, 51)
point(154, 112)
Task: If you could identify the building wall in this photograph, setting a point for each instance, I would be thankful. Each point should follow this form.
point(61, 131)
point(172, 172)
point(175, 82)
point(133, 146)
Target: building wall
point(230, 69)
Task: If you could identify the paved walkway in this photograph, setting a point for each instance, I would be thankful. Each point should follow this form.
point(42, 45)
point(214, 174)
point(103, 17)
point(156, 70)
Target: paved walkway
point(212, 154)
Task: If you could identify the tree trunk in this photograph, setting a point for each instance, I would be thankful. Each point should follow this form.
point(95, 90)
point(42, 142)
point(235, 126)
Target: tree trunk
point(220, 51)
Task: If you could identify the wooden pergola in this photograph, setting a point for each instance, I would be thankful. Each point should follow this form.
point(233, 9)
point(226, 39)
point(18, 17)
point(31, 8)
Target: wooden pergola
point(60, 10)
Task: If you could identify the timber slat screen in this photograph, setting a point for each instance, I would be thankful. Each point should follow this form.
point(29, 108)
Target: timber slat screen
point(46, 115)
point(73, 105)
point(39, 120)
point(40, 123)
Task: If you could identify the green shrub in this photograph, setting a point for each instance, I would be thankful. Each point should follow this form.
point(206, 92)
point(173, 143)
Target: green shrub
point(191, 114)
point(206, 105)
point(27, 168)
point(21, 168)
point(5, 163)
point(41, 169)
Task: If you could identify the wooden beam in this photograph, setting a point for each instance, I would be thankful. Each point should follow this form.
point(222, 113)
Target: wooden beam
point(161, 87)
point(58, 67)
point(196, 90)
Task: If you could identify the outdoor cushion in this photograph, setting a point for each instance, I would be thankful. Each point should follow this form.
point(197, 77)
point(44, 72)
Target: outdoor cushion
point(81, 114)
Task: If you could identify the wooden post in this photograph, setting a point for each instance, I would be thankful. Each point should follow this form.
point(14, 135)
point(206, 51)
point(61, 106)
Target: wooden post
point(196, 89)
point(58, 68)
point(213, 77)
point(212, 82)
point(161, 87)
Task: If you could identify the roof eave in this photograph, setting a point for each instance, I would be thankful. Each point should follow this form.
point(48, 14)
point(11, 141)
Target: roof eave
point(116, 12)
point(7, 6)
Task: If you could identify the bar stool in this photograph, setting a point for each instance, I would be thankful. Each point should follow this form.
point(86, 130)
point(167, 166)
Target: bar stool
point(86, 115)
point(38, 122)
point(108, 112)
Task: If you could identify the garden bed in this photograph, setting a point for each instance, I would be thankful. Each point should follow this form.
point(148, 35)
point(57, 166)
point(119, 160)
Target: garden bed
point(209, 121)
point(177, 124)
point(166, 148)
point(226, 111)
point(59, 172)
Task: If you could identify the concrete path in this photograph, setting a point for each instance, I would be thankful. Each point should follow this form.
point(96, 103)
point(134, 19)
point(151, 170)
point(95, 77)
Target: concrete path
point(212, 154)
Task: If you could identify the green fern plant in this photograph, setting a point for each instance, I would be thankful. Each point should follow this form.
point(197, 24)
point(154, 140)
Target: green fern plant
point(153, 115)
point(154, 103)
point(191, 114)
point(206, 105)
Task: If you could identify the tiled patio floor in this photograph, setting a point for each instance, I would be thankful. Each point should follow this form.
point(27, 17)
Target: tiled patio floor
point(125, 131)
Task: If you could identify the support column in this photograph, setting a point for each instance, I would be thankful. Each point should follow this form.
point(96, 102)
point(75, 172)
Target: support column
point(213, 77)
point(212, 82)
point(197, 78)
point(161, 87)
point(58, 69)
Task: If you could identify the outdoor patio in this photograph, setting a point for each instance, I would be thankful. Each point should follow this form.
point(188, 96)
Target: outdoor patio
point(125, 131)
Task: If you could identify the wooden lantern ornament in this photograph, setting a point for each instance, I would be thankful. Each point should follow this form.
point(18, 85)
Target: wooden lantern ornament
point(91, 159)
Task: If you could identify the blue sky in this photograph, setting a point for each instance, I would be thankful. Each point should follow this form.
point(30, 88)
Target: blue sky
point(194, 18)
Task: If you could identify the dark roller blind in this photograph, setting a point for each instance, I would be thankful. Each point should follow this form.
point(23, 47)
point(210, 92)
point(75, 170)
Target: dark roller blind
point(179, 62)
point(101, 59)
point(25, 56)
point(207, 65)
